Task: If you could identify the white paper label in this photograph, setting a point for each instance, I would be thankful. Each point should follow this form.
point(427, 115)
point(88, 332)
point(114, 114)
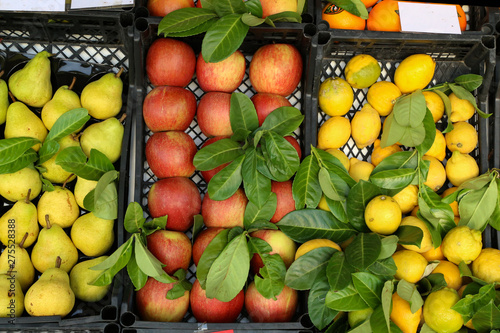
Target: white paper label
point(33, 5)
point(431, 18)
point(80, 4)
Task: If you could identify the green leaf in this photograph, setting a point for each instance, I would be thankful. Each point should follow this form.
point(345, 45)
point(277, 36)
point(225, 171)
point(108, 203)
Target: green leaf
point(409, 110)
point(435, 211)
point(283, 160)
point(97, 165)
point(363, 251)
point(71, 159)
point(257, 186)
point(203, 27)
point(114, 263)
point(283, 120)
point(306, 188)
point(224, 37)
point(262, 224)
point(212, 251)
point(306, 224)
point(408, 291)
point(258, 246)
point(20, 163)
point(383, 267)
point(302, 272)
point(333, 186)
point(409, 235)
point(271, 281)
point(393, 179)
point(319, 313)
point(338, 271)
point(134, 218)
point(252, 20)
point(413, 136)
point(217, 153)
point(13, 148)
point(253, 213)
point(398, 160)
point(197, 226)
point(494, 220)
point(227, 7)
point(242, 113)
point(254, 7)
point(463, 93)
point(347, 299)
point(470, 304)
point(486, 318)
point(47, 150)
point(333, 164)
point(358, 198)
point(138, 277)
point(229, 272)
point(447, 109)
point(469, 81)
point(430, 133)
point(106, 197)
point(68, 123)
point(354, 7)
point(389, 245)
point(369, 287)
point(227, 181)
point(338, 209)
point(285, 16)
point(146, 261)
point(476, 207)
point(47, 185)
point(184, 19)
point(180, 287)
point(159, 223)
point(392, 132)
point(386, 298)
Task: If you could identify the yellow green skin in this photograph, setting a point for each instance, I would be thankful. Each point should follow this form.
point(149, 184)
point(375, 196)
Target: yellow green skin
point(4, 101)
point(21, 121)
point(67, 209)
point(82, 188)
point(103, 98)
point(12, 300)
point(105, 136)
point(92, 235)
point(80, 278)
point(17, 221)
point(23, 268)
point(55, 173)
point(63, 101)
point(14, 186)
point(438, 307)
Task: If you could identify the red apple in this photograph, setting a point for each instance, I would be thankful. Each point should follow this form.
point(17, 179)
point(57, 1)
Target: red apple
point(177, 197)
point(266, 103)
point(207, 175)
point(284, 195)
point(263, 310)
point(213, 114)
point(211, 310)
point(270, 7)
point(280, 244)
point(153, 305)
point(170, 154)
point(202, 240)
point(295, 144)
point(225, 213)
point(198, 4)
point(172, 248)
point(170, 62)
point(276, 69)
point(163, 7)
point(168, 108)
point(223, 76)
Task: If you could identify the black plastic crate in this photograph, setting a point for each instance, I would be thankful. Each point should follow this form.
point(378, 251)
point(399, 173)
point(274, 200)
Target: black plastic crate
point(145, 34)
point(85, 48)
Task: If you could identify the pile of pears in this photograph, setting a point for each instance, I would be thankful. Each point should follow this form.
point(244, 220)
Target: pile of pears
point(50, 247)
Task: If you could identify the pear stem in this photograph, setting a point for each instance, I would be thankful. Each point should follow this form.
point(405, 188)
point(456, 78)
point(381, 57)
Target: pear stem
point(122, 118)
point(23, 240)
point(72, 83)
point(27, 200)
point(76, 136)
point(66, 180)
point(12, 97)
point(47, 220)
point(58, 262)
point(117, 75)
point(1, 73)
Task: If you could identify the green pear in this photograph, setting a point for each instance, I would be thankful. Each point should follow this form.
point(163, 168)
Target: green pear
point(51, 294)
point(53, 242)
point(15, 186)
point(105, 136)
point(16, 259)
point(67, 209)
point(64, 100)
point(103, 98)
point(12, 300)
point(31, 84)
point(92, 235)
point(82, 188)
point(4, 99)
point(21, 121)
point(55, 173)
point(19, 220)
point(80, 278)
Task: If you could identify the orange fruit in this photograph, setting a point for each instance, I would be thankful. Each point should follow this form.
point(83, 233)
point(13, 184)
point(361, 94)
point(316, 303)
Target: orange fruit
point(339, 18)
point(433, 254)
point(454, 204)
point(384, 16)
point(451, 274)
point(379, 153)
point(369, 3)
point(462, 18)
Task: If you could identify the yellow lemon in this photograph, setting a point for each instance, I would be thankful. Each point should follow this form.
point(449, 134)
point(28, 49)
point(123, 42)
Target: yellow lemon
point(382, 96)
point(379, 153)
point(487, 265)
point(436, 177)
point(463, 137)
point(450, 272)
point(438, 148)
point(383, 215)
point(435, 104)
point(360, 169)
point(438, 313)
point(461, 167)
point(414, 211)
point(314, 244)
point(334, 133)
point(426, 243)
point(322, 203)
point(461, 109)
point(454, 204)
point(335, 96)
point(433, 254)
point(402, 316)
point(362, 71)
point(342, 157)
point(407, 198)
point(462, 244)
point(410, 265)
point(414, 72)
point(365, 126)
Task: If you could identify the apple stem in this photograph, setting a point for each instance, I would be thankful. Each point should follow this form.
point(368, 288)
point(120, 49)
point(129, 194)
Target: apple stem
point(117, 75)
point(27, 199)
point(48, 221)
point(1, 73)
point(122, 118)
point(12, 96)
point(66, 180)
point(58, 262)
point(23, 240)
point(72, 83)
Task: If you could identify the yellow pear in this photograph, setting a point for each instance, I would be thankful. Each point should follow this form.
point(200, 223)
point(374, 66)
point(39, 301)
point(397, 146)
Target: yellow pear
point(82, 188)
point(64, 100)
point(15, 259)
point(103, 98)
point(21, 219)
point(80, 278)
point(12, 300)
point(67, 209)
point(55, 173)
point(92, 235)
point(105, 136)
point(15, 186)
point(22, 122)
point(4, 99)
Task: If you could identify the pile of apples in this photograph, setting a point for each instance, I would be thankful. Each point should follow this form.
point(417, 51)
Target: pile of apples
point(169, 111)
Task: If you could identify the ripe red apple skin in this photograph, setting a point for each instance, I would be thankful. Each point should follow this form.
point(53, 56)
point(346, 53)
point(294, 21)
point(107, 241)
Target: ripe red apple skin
point(213, 114)
point(280, 244)
point(263, 310)
point(211, 310)
point(225, 213)
point(170, 154)
point(163, 7)
point(202, 240)
point(284, 196)
point(198, 4)
point(276, 69)
point(172, 248)
point(270, 7)
point(207, 175)
point(295, 144)
point(167, 108)
point(152, 304)
point(177, 197)
point(266, 103)
point(224, 76)
point(170, 62)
